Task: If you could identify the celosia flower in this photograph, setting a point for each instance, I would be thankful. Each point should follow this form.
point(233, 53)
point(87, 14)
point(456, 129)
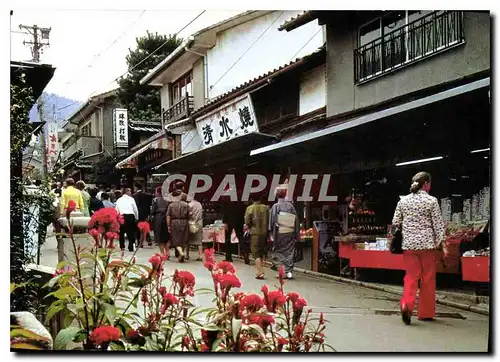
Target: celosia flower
point(71, 207)
point(281, 275)
point(227, 281)
point(298, 332)
point(144, 296)
point(186, 281)
point(144, 227)
point(209, 259)
point(105, 220)
point(292, 296)
point(238, 296)
point(299, 304)
point(155, 261)
point(169, 299)
point(320, 338)
point(186, 341)
point(321, 319)
point(104, 334)
point(162, 290)
point(275, 299)
point(252, 302)
point(225, 267)
point(282, 341)
point(262, 320)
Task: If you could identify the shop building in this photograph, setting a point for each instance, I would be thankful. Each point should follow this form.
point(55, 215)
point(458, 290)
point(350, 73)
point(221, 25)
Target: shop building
point(406, 92)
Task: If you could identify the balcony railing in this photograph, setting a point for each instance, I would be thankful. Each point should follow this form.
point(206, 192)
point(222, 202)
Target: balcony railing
point(413, 42)
point(87, 144)
point(180, 110)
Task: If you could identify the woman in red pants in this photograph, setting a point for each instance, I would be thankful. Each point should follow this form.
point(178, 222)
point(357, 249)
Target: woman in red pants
point(423, 231)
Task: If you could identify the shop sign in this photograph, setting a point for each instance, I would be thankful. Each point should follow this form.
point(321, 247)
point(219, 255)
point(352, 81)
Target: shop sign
point(120, 127)
point(52, 149)
point(233, 119)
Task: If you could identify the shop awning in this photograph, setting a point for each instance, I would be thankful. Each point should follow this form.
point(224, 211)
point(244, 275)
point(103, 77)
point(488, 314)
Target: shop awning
point(232, 148)
point(129, 162)
point(375, 116)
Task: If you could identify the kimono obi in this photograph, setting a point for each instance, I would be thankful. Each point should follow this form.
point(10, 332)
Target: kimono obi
point(286, 222)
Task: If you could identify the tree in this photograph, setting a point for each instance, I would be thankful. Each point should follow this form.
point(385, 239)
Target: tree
point(143, 101)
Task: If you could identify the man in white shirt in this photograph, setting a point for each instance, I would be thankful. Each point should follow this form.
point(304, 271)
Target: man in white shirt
point(127, 207)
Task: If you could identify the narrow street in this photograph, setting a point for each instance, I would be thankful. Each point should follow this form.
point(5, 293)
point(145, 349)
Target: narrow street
point(361, 319)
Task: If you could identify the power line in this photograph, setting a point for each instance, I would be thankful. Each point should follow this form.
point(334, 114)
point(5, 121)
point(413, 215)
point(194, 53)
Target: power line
point(246, 51)
point(311, 38)
point(105, 50)
point(149, 55)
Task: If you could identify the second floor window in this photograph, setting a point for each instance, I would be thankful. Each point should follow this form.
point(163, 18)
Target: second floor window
point(401, 37)
point(87, 129)
point(181, 87)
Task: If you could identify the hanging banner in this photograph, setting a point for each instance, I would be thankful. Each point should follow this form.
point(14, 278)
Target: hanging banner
point(233, 119)
point(52, 144)
point(120, 127)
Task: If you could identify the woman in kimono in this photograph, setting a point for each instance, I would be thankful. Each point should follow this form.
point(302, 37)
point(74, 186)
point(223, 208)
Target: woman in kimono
point(284, 228)
point(159, 218)
point(178, 223)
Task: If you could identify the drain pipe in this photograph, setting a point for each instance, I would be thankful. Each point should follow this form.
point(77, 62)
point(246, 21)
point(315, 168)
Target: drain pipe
point(205, 69)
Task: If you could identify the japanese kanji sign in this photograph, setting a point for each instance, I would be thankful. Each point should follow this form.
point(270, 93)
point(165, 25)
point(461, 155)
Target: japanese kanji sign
point(234, 119)
point(52, 147)
point(120, 127)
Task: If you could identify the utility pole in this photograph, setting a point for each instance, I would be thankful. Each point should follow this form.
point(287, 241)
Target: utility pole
point(37, 44)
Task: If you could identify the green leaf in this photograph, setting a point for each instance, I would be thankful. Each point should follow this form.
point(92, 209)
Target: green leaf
point(64, 337)
point(235, 327)
point(62, 264)
point(65, 292)
point(109, 312)
point(53, 310)
point(53, 281)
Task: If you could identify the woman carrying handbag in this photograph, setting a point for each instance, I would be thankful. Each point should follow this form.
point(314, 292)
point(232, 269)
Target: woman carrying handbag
point(419, 217)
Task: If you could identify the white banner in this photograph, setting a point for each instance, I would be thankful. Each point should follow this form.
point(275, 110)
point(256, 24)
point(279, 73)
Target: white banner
point(234, 119)
point(120, 127)
point(52, 144)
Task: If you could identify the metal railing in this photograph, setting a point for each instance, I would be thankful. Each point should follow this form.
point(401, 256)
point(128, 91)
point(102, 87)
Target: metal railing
point(181, 109)
point(413, 42)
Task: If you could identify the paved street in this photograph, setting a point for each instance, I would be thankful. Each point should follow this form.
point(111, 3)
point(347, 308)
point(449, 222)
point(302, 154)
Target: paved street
point(361, 320)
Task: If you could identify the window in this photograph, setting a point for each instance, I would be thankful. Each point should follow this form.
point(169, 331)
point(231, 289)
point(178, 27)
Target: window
point(87, 129)
point(401, 37)
point(181, 88)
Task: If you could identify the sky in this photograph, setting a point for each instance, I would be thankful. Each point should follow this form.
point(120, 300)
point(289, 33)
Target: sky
point(88, 47)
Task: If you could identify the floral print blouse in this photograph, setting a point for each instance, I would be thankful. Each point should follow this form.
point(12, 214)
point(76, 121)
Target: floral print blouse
point(423, 226)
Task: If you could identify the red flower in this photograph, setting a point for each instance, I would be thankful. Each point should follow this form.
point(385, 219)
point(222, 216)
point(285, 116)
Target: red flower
point(282, 341)
point(94, 232)
point(115, 264)
point(281, 275)
point(186, 282)
point(228, 281)
point(144, 227)
point(162, 290)
point(169, 299)
point(299, 331)
point(209, 265)
point(252, 302)
point(226, 267)
point(321, 319)
point(186, 341)
point(135, 337)
point(320, 338)
point(209, 259)
point(299, 304)
point(156, 261)
point(105, 220)
point(239, 295)
point(71, 207)
point(275, 299)
point(262, 320)
point(292, 296)
point(104, 334)
point(144, 296)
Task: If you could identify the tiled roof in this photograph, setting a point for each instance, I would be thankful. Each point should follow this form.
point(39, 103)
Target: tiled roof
point(298, 20)
point(284, 68)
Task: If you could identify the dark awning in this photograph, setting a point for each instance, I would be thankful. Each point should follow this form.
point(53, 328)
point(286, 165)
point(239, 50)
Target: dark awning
point(231, 149)
point(37, 75)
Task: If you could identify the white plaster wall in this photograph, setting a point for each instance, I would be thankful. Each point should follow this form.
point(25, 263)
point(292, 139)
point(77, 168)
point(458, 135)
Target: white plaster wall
point(275, 48)
point(165, 96)
point(312, 90)
point(190, 141)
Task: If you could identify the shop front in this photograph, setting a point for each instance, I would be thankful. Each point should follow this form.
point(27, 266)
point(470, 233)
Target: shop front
point(372, 159)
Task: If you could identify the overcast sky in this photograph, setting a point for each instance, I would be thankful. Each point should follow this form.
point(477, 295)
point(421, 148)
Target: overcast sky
point(88, 47)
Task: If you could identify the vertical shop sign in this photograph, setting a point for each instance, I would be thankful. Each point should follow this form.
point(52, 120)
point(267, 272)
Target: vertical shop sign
point(233, 119)
point(52, 144)
point(120, 127)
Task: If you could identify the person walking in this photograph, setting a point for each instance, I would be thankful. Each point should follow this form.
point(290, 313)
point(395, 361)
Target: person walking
point(159, 215)
point(71, 193)
point(143, 201)
point(284, 228)
point(178, 223)
point(419, 216)
point(94, 203)
point(101, 190)
point(118, 194)
point(127, 207)
point(105, 197)
point(80, 185)
point(196, 222)
point(257, 220)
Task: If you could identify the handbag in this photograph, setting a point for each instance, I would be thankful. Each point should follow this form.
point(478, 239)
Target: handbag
point(397, 241)
point(194, 227)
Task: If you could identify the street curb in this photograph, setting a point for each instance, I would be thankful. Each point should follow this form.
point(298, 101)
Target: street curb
point(473, 307)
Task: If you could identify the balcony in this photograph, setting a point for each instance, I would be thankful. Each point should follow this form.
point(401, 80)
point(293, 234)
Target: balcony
point(87, 144)
point(417, 40)
point(178, 111)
